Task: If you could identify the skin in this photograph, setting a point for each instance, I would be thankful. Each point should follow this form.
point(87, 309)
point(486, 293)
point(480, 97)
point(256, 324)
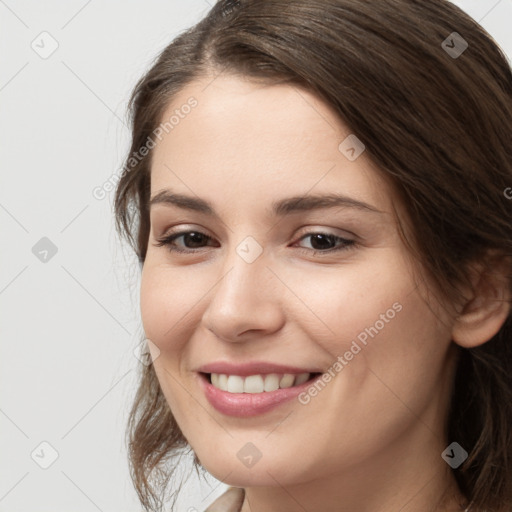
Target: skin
point(372, 439)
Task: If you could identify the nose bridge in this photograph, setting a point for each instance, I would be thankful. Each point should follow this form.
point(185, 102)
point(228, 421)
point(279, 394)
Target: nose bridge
point(243, 299)
point(244, 273)
point(243, 268)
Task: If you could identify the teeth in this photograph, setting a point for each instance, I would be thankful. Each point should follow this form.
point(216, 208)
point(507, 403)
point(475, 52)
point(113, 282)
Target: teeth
point(271, 382)
point(303, 377)
point(223, 382)
point(235, 384)
point(253, 384)
point(287, 381)
point(257, 383)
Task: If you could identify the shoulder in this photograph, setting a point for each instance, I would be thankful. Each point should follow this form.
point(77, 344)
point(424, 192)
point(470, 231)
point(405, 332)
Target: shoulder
point(230, 501)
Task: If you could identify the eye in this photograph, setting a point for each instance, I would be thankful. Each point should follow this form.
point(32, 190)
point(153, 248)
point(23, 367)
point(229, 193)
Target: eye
point(326, 242)
point(192, 240)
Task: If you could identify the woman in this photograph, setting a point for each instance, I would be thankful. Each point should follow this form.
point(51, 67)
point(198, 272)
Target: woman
point(316, 191)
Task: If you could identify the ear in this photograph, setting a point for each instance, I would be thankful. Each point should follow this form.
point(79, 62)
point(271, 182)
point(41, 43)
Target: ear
point(484, 313)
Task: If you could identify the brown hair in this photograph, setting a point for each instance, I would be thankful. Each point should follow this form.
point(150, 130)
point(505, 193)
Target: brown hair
point(438, 125)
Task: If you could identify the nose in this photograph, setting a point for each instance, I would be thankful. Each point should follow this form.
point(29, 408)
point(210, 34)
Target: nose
point(245, 302)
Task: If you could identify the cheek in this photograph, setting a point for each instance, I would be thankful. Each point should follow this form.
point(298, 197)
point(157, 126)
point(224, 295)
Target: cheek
point(167, 304)
point(410, 351)
point(167, 310)
point(376, 320)
point(335, 306)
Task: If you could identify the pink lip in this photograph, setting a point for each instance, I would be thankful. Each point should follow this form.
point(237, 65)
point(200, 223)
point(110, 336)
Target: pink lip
point(244, 405)
point(253, 368)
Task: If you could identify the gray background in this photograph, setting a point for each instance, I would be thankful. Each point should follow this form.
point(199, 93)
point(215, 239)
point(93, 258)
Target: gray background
point(70, 320)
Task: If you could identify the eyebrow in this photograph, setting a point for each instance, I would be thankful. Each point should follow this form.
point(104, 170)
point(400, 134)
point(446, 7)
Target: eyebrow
point(279, 208)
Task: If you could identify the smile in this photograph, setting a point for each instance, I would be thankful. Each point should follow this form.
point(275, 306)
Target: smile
point(260, 383)
point(252, 395)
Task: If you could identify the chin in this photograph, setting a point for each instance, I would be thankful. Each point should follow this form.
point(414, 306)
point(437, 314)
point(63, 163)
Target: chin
point(230, 470)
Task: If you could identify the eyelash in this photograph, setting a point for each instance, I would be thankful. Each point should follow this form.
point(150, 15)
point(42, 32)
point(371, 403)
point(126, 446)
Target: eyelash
point(169, 239)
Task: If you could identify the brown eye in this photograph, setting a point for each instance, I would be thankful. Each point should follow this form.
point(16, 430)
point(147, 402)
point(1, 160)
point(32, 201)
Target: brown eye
point(190, 240)
point(326, 242)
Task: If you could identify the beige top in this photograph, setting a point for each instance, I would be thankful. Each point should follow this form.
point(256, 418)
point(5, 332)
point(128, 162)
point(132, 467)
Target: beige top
point(230, 501)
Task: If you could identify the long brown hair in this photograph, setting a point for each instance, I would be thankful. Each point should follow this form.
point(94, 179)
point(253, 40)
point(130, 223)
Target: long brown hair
point(436, 123)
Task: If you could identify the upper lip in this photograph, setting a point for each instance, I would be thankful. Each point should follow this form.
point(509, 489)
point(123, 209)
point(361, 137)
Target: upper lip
point(252, 368)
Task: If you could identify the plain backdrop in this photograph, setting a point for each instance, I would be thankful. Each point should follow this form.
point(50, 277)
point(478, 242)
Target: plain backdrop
point(68, 289)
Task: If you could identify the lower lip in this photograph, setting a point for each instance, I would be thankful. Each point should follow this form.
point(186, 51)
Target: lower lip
point(243, 405)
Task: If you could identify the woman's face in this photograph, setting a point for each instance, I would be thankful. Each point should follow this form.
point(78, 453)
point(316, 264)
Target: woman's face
point(272, 273)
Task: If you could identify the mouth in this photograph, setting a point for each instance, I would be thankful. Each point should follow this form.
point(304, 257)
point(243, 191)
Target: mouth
point(252, 395)
point(258, 383)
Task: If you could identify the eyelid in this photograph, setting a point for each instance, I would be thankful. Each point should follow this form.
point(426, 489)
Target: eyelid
point(182, 228)
point(337, 232)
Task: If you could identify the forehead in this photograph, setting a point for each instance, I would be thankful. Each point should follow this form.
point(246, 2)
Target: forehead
point(257, 140)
